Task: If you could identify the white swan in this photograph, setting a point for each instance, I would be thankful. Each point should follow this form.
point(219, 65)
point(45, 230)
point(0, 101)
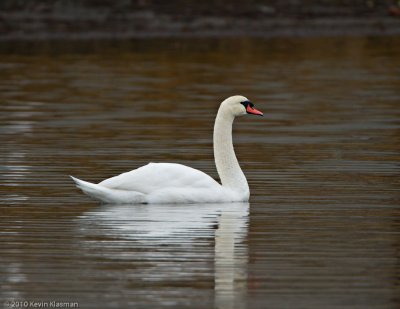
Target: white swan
point(176, 183)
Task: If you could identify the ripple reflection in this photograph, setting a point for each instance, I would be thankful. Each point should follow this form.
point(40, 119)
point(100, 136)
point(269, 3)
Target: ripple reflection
point(166, 241)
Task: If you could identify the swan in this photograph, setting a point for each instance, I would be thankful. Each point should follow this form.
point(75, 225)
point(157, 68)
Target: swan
point(173, 183)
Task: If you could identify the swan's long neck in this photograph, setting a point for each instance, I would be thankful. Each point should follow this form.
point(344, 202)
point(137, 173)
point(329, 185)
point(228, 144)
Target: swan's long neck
point(225, 159)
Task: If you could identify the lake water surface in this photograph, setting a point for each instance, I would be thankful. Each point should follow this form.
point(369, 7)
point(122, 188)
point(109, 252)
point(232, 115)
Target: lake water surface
point(322, 227)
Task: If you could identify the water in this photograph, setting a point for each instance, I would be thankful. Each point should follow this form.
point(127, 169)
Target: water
point(321, 229)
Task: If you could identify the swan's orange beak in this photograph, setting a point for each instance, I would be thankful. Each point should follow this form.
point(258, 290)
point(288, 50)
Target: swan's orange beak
point(252, 110)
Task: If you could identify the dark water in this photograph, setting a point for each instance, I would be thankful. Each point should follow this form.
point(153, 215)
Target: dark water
point(322, 228)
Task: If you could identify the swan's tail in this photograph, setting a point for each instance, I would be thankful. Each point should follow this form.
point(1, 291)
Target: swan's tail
point(108, 195)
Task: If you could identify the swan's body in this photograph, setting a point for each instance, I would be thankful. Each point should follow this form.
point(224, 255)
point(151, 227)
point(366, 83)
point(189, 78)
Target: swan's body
point(160, 183)
point(176, 183)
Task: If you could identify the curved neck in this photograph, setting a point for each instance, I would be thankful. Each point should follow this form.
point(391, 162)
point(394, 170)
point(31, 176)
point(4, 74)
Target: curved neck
point(225, 159)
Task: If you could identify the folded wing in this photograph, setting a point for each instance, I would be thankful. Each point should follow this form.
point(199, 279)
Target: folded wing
point(156, 176)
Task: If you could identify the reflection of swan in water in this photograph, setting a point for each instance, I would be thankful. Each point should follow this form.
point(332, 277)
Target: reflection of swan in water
point(231, 258)
point(169, 243)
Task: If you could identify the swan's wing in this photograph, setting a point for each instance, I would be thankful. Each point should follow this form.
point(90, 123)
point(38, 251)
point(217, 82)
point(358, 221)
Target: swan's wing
point(157, 176)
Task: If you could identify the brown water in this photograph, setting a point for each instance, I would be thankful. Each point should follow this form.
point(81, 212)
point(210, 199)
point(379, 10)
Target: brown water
point(322, 228)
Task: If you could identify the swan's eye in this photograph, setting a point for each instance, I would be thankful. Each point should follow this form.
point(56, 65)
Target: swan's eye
point(247, 103)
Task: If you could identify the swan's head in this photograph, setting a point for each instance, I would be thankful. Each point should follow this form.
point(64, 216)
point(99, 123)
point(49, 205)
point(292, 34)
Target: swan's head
point(239, 105)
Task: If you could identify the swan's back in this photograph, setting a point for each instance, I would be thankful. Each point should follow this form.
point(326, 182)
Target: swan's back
point(158, 176)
